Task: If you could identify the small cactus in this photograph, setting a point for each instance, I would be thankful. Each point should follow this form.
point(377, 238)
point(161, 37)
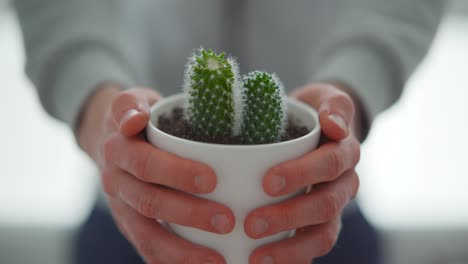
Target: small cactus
point(264, 115)
point(213, 88)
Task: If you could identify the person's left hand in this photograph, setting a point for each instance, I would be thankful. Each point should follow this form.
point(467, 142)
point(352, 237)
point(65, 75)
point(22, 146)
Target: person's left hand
point(316, 215)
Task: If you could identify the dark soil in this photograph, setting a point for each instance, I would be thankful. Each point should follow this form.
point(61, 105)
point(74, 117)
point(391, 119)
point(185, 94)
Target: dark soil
point(176, 125)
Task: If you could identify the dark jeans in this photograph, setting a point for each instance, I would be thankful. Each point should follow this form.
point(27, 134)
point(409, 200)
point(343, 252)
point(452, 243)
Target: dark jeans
point(100, 242)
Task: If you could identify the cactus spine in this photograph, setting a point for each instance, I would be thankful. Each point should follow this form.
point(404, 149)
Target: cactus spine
point(213, 88)
point(264, 117)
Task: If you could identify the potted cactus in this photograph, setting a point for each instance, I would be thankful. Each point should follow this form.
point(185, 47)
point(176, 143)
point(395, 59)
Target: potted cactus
point(241, 127)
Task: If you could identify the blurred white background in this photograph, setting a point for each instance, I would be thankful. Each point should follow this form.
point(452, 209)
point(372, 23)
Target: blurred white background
point(413, 166)
point(413, 171)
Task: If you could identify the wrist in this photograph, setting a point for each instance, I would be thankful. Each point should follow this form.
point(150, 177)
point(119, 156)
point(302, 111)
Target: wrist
point(93, 117)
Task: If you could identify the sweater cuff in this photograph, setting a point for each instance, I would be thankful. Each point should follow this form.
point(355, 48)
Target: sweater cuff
point(76, 76)
point(366, 71)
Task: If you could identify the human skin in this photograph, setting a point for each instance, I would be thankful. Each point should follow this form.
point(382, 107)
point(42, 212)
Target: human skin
point(330, 169)
point(143, 183)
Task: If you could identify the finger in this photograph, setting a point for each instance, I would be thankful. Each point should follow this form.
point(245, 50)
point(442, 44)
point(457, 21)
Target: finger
point(153, 165)
point(131, 111)
point(158, 202)
point(157, 245)
point(322, 204)
point(322, 165)
point(313, 242)
point(335, 107)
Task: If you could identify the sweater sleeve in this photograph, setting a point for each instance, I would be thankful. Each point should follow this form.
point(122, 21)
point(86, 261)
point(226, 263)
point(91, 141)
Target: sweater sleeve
point(375, 47)
point(71, 47)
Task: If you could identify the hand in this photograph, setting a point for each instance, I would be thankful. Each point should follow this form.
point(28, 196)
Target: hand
point(316, 215)
point(144, 183)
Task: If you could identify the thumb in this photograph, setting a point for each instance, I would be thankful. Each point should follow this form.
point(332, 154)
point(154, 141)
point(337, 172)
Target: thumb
point(131, 110)
point(335, 108)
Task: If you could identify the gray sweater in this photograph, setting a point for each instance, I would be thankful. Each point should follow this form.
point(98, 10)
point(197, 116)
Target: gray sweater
point(371, 45)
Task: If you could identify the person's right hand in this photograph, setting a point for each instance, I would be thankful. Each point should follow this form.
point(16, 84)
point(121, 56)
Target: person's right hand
point(144, 184)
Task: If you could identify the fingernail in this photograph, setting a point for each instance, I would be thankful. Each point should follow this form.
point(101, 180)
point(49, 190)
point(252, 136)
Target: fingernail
point(339, 121)
point(277, 184)
point(220, 222)
point(267, 260)
point(201, 183)
point(259, 226)
point(129, 114)
point(144, 107)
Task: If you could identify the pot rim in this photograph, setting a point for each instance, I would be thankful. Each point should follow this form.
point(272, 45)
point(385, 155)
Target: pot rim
point(170, 99)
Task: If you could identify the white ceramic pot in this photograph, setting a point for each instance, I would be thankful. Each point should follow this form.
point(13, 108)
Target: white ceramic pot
point(239, 170)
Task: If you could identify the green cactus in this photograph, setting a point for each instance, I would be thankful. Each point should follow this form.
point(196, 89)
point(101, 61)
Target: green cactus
point(213, 88)
point(264, 116)
point(219, 105)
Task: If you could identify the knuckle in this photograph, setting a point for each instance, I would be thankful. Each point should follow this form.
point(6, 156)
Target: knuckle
point(335, 164)
point(192, 212)
point(327, 238)
point(298, 220)
point(288, 216)
point(149, 205)
point(302, 173)
point(331, 206)
point(142, 166)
